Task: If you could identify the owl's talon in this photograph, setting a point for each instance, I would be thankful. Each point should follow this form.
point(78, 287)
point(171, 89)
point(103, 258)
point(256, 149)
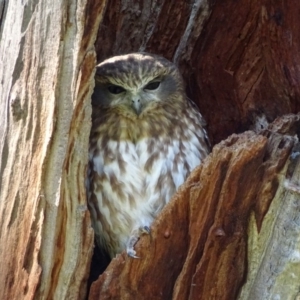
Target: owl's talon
point(134, 238)
point(130, 244)
point(131, 253)
point(132, 256)
point(145, 229)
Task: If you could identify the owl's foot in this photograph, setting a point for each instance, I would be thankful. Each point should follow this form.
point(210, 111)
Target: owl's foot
point(145, 230)
point(134, 238)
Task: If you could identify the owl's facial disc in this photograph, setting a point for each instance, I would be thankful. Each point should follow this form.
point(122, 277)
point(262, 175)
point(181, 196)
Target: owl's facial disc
point(136, 104)
point(145, 95)
point(137, 97)
point(136, 83)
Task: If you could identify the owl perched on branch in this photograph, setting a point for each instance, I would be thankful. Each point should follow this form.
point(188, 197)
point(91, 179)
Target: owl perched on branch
point(146, 138)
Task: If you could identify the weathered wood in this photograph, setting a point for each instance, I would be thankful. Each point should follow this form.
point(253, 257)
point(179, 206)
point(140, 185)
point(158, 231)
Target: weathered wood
point(200, 246)
point(273, 235)
point(240, 63)
point(242, 67)
point(245, 64)
point(46, 71)
point(169, 28)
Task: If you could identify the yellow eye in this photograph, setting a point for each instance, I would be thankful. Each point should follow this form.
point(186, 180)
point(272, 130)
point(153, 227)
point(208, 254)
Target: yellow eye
point(115, 89)
point(152, 85)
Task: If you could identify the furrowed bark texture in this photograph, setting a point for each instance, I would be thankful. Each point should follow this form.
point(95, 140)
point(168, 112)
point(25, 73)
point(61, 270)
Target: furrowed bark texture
point(202, 246)
point(232, 231)
point(46, 71)
point(239, 59)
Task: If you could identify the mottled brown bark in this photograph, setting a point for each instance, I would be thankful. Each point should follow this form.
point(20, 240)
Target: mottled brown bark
point(246, 64)
point(232, 230)
point(243, 66)
point(46, 69)
point(199, 242)
point(239, 60)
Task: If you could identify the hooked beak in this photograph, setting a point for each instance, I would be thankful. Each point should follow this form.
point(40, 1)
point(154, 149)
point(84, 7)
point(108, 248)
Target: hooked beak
point(136, 104)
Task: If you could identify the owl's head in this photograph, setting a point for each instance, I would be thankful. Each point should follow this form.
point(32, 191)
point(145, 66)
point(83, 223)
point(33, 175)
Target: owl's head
point(137, 82)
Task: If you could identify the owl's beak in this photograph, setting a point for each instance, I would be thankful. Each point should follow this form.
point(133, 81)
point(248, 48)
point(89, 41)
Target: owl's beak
point(136, 104)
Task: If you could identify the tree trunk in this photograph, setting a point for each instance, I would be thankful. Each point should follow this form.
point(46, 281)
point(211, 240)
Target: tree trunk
point(232, 230)
point(46, 69)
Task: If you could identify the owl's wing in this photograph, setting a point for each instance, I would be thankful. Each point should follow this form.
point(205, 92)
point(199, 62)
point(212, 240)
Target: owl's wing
point(195, 110)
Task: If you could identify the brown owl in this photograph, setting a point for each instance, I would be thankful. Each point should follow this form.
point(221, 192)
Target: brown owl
point(146, 138)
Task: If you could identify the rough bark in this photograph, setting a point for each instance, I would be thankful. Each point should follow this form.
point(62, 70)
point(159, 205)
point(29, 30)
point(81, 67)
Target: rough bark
point(222, 229)
point(240, 60)
point(46, 70)
point(247, 64)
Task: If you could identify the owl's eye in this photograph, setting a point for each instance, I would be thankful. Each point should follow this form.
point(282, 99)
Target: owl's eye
point(152, 85)
point(115, 89)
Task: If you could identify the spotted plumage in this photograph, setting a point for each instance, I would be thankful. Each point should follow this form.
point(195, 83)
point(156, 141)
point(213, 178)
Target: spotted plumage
point(146, 138)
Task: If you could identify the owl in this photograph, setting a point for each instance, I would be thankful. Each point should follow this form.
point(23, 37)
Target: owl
point(146, 138)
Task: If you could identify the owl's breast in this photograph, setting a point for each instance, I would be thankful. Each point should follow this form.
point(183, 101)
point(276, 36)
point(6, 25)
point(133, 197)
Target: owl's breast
point(121, 124)
point(147, 156)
